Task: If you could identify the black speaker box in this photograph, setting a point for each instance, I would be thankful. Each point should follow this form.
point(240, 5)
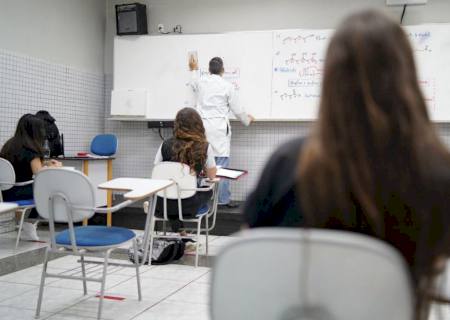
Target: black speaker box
point(131, 18)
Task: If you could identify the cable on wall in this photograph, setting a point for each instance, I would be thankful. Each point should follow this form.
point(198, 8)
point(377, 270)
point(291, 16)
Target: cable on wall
point(403, 13)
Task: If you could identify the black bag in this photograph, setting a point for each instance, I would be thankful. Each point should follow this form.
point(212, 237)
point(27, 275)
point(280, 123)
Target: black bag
point(165, 251)
point(51, 133)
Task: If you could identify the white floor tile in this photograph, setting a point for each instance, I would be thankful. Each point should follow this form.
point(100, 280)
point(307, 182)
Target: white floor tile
point(205, 279)
point(176, 311)
point(8, 313)
point(55, 299)
point(176, 272)
point(125, 271)
point(9, 290)
point(221, 241)
point(92, 287)
point(112, 309)
point(192, 293)
point(29, 276)
point(152, 289)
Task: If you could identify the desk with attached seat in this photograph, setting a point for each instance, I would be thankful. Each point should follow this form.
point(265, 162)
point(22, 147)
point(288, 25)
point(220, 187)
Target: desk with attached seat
point(138, 189)
point(99, 170)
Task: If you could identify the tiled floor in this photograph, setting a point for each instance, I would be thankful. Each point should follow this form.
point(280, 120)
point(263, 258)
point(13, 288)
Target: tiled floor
point(8, 242)
point(174, 291)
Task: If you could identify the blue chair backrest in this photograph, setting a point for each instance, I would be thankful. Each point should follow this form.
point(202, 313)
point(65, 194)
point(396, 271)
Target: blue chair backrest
point(104, 145)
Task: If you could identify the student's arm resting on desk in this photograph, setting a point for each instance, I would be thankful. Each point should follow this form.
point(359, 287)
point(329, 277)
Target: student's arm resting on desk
point(37, 164)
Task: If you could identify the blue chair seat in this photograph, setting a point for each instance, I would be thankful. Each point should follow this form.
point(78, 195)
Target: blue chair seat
point(24, 203)
point(202, 211)
point(96, 236)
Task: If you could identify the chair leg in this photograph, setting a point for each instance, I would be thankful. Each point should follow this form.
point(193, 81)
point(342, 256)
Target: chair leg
point(206, 234)
point(41, 287)
point(198, 242)
point(149, 250)
point(136, 262)
point(83, 273)
point(102, 290)
point(164, 227)
point(22, 218)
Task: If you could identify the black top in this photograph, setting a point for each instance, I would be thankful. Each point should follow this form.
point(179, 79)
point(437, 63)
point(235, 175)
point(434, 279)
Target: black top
point(21, 161)
point(274, 201)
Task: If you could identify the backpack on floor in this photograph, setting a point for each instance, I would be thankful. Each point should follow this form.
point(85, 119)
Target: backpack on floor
point(165, 250)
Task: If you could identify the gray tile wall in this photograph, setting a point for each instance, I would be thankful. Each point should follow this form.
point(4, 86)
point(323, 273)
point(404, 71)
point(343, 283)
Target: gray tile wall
point(74, 97)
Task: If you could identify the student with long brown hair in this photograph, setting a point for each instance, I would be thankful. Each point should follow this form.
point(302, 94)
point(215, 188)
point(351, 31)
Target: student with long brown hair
point(189, 146)
point(373, 163)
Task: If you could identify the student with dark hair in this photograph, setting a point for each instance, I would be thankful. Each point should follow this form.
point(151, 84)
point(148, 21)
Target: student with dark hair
point(215, 98)
point(25, 151)
point(51, 133)
point(189, 146)
point(373, 163)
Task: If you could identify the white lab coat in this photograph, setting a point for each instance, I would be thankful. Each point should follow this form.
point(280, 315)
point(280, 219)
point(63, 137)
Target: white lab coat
point(214, 99)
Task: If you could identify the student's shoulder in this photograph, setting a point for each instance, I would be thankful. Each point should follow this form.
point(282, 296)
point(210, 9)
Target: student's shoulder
point(289, 150)
point(285, 158)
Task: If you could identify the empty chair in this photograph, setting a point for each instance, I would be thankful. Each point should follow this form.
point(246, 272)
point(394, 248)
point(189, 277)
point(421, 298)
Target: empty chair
point(64, 195)
point(7, 181)
point(104, 145)
point(185, 187)
point(287, 274)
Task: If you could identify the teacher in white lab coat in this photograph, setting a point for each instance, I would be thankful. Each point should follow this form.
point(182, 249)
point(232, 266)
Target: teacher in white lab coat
point(215, 98)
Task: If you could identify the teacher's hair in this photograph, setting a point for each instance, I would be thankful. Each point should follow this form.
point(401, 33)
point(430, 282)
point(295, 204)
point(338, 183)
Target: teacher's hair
point(374, 163)
point(216, 66)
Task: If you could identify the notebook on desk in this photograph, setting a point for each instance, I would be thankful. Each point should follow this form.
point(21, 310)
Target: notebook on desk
point(230, 173)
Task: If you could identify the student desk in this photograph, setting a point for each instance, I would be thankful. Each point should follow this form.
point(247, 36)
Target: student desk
point(7, 207)
point(99, 170)
point(138, 189)
point(7, 223)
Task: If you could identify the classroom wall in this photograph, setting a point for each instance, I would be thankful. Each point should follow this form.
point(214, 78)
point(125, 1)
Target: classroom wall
point(251, 146)
point(51, 57)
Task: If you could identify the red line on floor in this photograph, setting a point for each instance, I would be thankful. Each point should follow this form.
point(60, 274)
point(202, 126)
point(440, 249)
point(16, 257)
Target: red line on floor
point(111, 298)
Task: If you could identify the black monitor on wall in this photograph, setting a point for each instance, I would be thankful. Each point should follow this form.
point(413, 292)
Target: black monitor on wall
point(131, 19)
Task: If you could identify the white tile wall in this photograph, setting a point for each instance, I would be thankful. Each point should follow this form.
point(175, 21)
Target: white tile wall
point(75, 98)
point(250, 146)
point(80, 102)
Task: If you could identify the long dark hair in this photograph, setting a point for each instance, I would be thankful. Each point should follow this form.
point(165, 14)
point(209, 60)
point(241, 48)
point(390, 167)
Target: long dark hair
point(30, 134)
point(373, 163)
point(190, 145)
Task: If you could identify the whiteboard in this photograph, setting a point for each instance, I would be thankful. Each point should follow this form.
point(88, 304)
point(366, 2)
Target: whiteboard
point(160, 64)
point(277, 73)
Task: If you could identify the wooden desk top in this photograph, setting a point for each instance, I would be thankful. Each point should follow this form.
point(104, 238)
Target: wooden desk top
point(7, 206)
point(138, 188)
